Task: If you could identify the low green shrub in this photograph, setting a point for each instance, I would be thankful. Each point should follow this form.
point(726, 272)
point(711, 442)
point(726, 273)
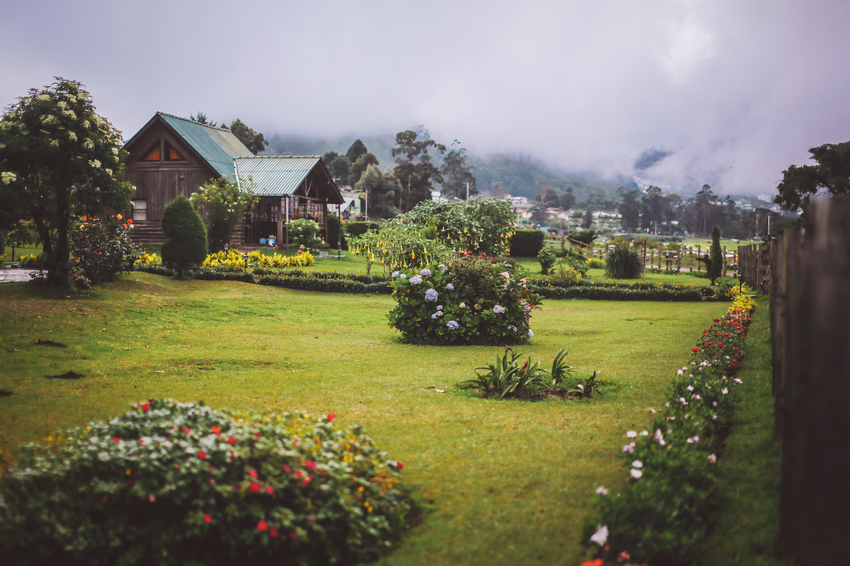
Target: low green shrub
point(467, 301)
point(594, 263)
point(526, 243)
point(665, 511)
point(179, 483)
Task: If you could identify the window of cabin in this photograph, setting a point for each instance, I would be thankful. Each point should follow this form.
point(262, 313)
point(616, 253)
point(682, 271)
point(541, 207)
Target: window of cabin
point(153, 155)
point(172, 154)
point(140, 210)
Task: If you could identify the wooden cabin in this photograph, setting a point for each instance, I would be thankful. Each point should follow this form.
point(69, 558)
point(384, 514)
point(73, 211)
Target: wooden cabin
point(173, 156)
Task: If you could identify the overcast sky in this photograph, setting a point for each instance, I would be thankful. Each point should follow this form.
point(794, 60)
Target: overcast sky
point(737, 90)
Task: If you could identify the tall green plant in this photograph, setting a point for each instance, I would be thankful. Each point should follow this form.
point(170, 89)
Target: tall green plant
point(187, 239)
point(399, 246)
point(479, 225)
point(221, 203)
point(714, 262)
point(622, 262)
point(304, 232)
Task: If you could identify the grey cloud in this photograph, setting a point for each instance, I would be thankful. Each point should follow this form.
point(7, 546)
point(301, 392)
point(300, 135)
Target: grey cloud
point(737, 91)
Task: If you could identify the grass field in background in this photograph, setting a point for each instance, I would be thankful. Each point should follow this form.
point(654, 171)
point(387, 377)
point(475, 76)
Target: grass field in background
point(505, 482)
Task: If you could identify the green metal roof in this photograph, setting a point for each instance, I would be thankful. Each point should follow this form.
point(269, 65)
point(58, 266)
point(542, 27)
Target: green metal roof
point(276, 175)
point(218, 146)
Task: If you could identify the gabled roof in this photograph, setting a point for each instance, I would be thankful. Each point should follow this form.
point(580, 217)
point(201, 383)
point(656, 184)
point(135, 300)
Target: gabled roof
point(279, 175)
point(218, 146)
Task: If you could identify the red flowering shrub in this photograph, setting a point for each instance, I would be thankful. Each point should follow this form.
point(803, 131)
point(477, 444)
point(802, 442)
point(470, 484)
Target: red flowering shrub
point(101, 249)
point(288, 489)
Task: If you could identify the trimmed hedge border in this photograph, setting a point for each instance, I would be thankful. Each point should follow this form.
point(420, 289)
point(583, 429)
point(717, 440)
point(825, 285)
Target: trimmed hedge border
point(321, 281)
point(548, 288)
point(555, 288)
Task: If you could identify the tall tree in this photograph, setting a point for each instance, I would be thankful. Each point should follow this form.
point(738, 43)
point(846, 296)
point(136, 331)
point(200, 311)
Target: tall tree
point(587, 219)
point(380, 190)
point(458, 180)
point(414, 169)
point(831, 176)
point(629, 210)
point(59, 158)
point(359, 167)
point(338, 166)
point(254, 141)
point(567, 199)
point(652, 208)
point(547, 197)
point(355, 150)
point(201, 118)
point(700, 211)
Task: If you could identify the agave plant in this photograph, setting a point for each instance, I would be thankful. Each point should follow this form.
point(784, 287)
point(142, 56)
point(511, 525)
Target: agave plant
point(622, 262)
point(509, 376)
point(560, 369)
point(586, 387)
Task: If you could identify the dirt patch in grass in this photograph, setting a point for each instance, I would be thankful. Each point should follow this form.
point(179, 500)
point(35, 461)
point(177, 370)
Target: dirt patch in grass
point(41, 342)
point(66, 375)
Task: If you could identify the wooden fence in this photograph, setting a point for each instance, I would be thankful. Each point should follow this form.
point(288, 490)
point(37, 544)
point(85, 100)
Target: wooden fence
point(806, 271)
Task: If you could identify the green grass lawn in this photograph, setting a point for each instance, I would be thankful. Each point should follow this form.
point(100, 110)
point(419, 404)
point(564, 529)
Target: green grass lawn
point(505, 482)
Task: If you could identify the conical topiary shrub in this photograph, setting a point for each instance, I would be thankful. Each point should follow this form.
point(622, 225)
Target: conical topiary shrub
point(187, 238)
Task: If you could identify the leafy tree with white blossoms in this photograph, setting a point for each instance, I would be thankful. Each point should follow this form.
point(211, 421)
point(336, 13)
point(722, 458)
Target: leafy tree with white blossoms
point(59, 158)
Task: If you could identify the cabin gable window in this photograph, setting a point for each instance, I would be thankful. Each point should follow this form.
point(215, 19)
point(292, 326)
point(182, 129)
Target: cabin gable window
point(154, 154)
point(163, 151)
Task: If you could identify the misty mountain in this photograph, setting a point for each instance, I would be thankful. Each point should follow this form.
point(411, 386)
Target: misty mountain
point(521, 175)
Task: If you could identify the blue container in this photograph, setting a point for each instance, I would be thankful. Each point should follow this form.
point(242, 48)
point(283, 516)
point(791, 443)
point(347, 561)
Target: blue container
point(263, 240)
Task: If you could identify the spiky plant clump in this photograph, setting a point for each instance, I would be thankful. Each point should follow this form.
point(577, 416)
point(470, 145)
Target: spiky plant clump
point(622, 262)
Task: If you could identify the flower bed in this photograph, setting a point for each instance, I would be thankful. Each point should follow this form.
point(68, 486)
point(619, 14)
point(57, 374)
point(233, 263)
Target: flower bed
point(177, 483)
point(468, 301)
point(664, 513)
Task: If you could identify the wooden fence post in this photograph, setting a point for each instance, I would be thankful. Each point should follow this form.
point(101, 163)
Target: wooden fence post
point(815, 493)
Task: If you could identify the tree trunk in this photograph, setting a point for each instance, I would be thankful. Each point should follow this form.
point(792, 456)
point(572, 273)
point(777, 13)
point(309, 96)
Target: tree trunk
point(59, 272)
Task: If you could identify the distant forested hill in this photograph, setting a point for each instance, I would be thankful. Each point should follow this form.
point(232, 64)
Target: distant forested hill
point(522, 176)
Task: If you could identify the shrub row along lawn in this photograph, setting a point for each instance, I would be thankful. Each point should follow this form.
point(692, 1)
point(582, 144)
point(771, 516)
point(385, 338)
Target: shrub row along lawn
point(547, 287)
point(502, 482)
